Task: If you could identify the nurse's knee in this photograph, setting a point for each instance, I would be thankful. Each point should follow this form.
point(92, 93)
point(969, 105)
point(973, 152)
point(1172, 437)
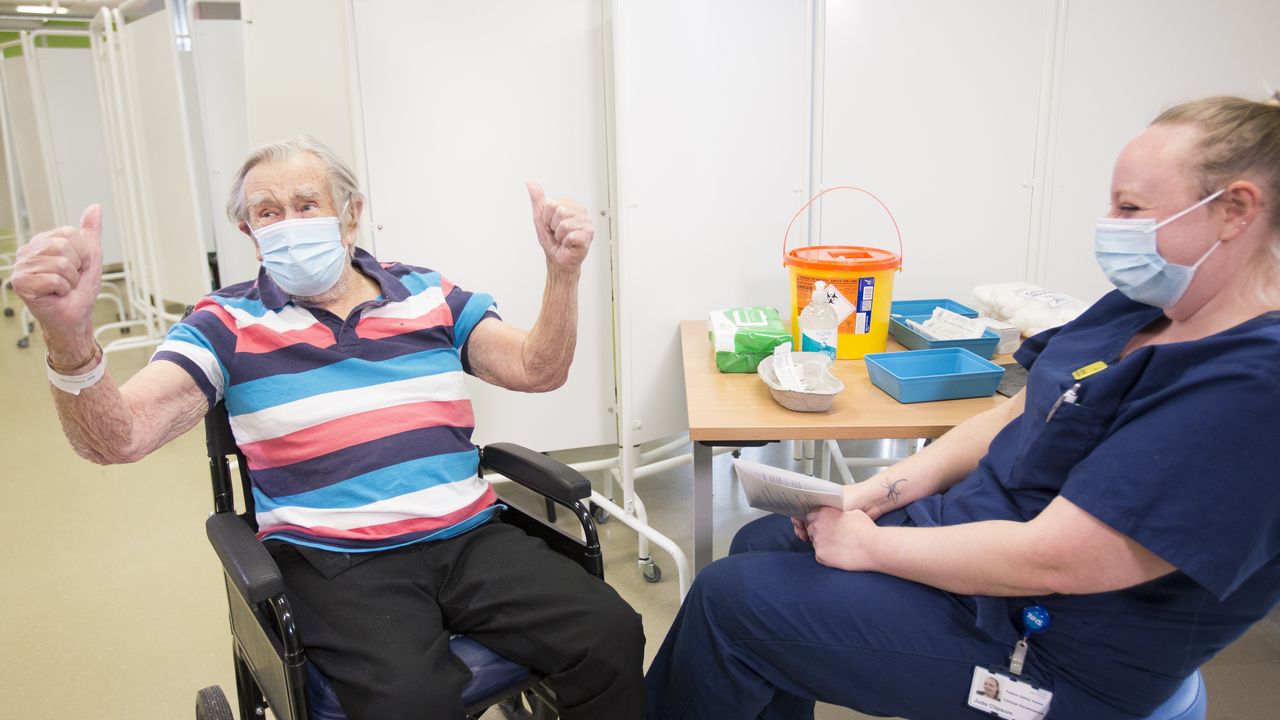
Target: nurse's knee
point(721, 587)
point(766, 534)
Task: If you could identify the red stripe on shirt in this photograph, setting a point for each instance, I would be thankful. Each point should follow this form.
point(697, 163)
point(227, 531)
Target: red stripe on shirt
point(259, 338)
point(374, 328)
point(345, 432)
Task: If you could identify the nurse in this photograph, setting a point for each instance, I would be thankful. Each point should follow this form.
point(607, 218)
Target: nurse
point(1091, 542)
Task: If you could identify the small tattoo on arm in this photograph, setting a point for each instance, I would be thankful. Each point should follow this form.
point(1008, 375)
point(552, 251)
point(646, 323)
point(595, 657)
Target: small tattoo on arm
point(892, 487)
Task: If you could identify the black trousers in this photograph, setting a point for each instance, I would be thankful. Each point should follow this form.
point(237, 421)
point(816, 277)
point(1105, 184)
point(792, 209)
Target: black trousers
point(378, 624)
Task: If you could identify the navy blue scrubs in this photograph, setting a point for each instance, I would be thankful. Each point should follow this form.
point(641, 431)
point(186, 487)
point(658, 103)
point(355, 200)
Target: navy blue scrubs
point(1175, 446)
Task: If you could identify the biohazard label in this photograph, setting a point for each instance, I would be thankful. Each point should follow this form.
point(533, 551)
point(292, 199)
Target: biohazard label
point(851, 297)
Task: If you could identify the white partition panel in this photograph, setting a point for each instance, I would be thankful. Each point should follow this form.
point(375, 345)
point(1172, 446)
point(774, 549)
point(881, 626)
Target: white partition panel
point(462, 102)
point(6, 207)
point(217, 49)
point(712, 113)
point(1115, 80)
point(77, 141)
point(298, 76)
point(933, 107)
point(167, 188)
point(25, 137)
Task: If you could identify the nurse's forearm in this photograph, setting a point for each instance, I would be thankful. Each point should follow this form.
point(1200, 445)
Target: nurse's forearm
point(986, 558)
point(947, 460)
point(1064, 550)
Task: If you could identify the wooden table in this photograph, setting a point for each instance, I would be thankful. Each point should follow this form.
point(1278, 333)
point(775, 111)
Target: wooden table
point(736, 410)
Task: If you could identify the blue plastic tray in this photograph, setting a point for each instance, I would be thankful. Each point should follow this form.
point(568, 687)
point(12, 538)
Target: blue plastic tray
point(984, 347)
point(925, 307)
point(925, 375)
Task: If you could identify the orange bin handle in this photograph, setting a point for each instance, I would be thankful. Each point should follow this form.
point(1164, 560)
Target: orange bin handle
point(844, 187)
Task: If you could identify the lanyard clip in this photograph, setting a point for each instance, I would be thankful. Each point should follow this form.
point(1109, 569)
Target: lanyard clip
point(1035, 619)
point(1019, 656)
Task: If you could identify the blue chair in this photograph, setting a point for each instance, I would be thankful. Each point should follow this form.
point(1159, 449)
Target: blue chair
point(1188, 703)
point(270, 662)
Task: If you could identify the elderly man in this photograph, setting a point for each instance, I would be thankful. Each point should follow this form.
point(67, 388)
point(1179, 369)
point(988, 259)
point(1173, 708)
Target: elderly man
point(343, 381)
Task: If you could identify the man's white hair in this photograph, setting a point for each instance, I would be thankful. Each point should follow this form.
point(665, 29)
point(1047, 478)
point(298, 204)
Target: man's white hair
point(342, 181)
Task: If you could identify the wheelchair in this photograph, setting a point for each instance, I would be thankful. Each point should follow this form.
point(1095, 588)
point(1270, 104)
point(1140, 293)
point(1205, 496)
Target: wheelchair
point(271, 667)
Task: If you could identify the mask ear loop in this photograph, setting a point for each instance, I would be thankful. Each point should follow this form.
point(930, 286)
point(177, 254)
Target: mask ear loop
point(1177, 215)
point(1205, 201)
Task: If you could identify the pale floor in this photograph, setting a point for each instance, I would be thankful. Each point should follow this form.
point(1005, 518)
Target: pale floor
point(112, 605)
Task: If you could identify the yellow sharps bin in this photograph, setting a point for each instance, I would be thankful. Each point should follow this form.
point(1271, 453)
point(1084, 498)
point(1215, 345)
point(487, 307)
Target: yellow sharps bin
point(859, 284)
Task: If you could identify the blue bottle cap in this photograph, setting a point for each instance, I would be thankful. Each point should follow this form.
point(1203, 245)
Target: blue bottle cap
point(1035, 619)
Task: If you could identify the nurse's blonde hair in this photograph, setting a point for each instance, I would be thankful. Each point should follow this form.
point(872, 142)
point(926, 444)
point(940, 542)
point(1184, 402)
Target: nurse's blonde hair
point(1238, 137)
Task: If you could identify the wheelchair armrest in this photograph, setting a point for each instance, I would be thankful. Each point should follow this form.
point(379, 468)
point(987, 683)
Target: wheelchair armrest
point(251, 568)
point(536, 471)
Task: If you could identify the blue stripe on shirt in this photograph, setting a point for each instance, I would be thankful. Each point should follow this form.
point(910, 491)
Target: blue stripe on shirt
point(347, 374)
point(417, 282)
point(381, 484)
point(472, 313)
point(187, 333)
point(252, 306)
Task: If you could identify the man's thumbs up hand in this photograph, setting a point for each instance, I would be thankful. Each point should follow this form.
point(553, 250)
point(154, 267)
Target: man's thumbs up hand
point(58, 274)
point(564, 229)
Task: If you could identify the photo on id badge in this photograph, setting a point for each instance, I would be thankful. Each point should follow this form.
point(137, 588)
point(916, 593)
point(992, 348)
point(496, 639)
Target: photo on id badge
point(1002, 696)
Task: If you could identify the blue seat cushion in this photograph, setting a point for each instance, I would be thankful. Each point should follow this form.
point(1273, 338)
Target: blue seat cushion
point(490, 674)
point(1188, 703)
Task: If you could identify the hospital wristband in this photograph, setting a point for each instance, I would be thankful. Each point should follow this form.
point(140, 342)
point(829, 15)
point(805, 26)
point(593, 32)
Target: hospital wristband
point(75, 383)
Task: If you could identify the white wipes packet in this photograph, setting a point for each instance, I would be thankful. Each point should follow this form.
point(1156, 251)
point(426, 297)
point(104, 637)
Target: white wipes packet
point(947, 325)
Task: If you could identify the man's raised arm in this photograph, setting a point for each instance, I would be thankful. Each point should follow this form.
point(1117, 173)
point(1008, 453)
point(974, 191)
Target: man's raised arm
point(538, 360)
point(58, 275)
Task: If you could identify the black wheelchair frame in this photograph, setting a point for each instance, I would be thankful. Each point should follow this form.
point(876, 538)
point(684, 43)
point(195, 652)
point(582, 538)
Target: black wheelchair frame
point(270, 661)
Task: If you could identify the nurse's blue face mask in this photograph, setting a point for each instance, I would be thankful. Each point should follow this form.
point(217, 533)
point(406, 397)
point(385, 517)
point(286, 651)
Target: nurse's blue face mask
point(1126, 249)
point(305, 257)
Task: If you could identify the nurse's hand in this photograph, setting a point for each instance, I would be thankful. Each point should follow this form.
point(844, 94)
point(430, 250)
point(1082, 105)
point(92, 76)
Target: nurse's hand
point(564, 229)
point(840, 539)
point(797, 524)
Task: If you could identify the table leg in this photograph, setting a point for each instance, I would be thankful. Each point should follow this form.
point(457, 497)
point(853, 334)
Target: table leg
point(702, 523)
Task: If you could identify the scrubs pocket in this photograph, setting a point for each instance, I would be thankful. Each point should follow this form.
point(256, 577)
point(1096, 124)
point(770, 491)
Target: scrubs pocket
point(1059, 444)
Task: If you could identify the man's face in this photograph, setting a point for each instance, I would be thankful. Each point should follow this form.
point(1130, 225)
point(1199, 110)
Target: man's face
point(289, 189)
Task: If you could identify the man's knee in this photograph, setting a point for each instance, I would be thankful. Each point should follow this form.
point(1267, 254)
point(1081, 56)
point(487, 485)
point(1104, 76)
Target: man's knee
point(618, 628)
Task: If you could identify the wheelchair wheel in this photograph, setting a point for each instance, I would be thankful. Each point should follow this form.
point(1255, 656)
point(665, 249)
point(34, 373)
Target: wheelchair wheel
point(211, 704)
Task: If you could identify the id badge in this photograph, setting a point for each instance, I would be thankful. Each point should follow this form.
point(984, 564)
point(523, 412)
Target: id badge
point(1001, 695)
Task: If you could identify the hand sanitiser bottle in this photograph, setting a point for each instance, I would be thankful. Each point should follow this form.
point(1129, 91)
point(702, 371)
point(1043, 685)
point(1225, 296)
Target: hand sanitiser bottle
point(819, 323)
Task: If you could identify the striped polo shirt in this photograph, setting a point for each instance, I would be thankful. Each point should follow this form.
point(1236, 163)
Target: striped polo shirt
point(357, 430)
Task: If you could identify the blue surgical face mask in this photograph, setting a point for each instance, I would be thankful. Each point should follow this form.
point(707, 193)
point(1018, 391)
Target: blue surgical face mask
point(1126, 250)
point(305, 257)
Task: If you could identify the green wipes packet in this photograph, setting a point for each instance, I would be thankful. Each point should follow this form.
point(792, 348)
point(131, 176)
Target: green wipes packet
point(744, 336)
